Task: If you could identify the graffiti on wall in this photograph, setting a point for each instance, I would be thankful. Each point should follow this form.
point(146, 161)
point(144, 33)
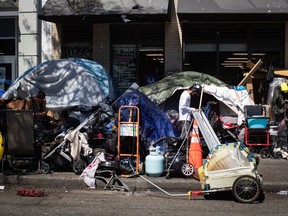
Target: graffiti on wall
point(78, 51)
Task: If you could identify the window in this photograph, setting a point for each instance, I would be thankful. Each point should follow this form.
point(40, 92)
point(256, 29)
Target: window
point(143, 46)
point(222, 49)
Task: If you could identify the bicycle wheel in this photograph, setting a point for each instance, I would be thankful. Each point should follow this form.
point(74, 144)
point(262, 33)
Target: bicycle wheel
point(246, 189)
point(265, 152)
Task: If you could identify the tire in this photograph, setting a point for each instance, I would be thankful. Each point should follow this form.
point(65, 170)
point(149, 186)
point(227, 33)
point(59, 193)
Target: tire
point(265, 152)
point(187, 169)
point(45, 168)
point(246, 189)
point(276, 155)
point(78, 166)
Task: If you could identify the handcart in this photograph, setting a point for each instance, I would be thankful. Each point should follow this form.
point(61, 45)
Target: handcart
point(232, 167)
point(128, 139)
point(257, 130)
point(229, 168)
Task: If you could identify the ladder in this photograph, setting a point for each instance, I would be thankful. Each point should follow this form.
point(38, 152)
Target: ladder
point(206, 129)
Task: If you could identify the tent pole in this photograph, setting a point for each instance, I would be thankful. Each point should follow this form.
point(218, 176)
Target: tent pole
point(201, 97)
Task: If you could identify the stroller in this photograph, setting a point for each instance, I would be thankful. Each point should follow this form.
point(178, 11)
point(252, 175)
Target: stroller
point(60, 152)
point(176, 157)
point(62, 148)
point(226, 133)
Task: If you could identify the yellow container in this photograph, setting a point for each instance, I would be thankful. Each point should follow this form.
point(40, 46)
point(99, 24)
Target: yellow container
point(201, 173)
point(1, 146)
point(284, 87)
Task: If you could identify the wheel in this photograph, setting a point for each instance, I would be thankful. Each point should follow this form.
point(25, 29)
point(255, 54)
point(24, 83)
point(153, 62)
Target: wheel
point(246, 189)
point(187, 169)
point(265, 152)
point(78, 166)
point(45, 167)
point(276, 155)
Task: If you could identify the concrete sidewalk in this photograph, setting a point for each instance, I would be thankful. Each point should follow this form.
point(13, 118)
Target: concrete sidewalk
point(273, 171)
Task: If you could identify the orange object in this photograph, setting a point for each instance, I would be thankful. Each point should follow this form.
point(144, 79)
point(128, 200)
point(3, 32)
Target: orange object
point(195, 150)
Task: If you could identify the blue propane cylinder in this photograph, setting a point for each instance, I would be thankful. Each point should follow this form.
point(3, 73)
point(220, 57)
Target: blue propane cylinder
point(154, 162)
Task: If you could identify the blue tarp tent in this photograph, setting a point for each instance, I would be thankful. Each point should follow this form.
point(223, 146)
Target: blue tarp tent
point(154, 123)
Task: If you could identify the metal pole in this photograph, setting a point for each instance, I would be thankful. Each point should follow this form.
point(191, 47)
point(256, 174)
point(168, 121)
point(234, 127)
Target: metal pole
point(173, 195)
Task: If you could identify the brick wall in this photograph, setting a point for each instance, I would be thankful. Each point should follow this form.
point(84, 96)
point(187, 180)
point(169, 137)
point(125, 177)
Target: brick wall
point(101, 45)
point(173, 42)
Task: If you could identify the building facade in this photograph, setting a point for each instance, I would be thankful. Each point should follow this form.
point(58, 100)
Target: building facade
point(143, 41)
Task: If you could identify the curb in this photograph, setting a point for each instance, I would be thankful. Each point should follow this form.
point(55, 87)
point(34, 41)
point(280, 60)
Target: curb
point(72, 181)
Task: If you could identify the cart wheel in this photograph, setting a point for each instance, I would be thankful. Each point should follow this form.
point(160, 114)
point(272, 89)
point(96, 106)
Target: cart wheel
point(187, 169)
point(265, 152)
point(246, 189)
point(78, 166)
point(45, 167)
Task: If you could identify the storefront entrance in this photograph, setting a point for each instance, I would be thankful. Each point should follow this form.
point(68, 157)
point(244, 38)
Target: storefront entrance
point(137, 54)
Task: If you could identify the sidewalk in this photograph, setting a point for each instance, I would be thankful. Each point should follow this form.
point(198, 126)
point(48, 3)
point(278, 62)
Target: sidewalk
point(274, 174)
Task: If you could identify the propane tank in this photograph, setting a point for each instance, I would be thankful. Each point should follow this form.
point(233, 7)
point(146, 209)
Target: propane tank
point(154, 162)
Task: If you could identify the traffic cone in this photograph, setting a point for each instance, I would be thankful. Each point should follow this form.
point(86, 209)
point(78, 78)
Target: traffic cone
point(195, 150)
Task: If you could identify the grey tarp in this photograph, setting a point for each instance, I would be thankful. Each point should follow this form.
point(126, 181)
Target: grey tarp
point(66, 82)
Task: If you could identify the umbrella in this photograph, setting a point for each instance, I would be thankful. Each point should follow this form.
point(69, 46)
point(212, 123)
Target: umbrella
point(66, 83)
point(161, 90)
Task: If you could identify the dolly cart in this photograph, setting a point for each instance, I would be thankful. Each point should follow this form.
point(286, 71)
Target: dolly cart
point(128, 138)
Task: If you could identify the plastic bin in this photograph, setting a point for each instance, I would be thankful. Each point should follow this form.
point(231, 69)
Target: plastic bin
point(257, 122)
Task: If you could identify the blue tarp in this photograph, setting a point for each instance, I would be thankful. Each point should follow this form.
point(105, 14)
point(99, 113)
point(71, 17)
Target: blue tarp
point(154, 123)
point(1, 92)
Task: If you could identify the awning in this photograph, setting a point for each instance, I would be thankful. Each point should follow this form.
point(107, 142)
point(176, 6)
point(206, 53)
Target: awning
point(105, 11)
point(254, 10)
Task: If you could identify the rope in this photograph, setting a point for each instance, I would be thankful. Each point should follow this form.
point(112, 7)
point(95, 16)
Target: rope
point(30, 193)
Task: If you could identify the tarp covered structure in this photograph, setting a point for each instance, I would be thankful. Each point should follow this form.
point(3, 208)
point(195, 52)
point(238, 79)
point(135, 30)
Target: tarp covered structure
point(154, 123)
point(66, 83)
point(159, 91)
point(168, 90)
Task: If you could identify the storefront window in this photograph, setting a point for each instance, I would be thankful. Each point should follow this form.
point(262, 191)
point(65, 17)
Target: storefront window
point(137, 54)
point(222, 50)
point(8, 51)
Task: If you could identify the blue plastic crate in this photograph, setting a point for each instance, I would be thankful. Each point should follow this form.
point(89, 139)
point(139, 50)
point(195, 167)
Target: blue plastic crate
point(257, 122)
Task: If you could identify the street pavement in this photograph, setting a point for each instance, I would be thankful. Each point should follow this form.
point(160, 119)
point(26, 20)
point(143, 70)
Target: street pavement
point(273, 171)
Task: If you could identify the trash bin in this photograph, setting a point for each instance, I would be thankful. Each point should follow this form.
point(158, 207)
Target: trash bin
point(19, 132)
